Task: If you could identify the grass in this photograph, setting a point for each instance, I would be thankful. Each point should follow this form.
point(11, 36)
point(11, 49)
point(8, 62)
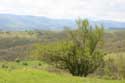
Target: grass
point(13, 43)
point(19, 72)
point(40, 76)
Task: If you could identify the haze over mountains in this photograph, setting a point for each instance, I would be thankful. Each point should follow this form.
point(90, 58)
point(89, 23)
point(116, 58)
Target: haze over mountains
point(9, 22)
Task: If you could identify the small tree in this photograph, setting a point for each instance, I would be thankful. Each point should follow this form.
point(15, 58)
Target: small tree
point(83, 56)
point(80, 53)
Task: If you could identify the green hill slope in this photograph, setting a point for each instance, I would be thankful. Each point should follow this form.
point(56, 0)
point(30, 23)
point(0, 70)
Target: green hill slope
point(38, 76)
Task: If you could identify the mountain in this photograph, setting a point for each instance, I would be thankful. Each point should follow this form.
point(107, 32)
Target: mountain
point(10, 22)
point(112, 24)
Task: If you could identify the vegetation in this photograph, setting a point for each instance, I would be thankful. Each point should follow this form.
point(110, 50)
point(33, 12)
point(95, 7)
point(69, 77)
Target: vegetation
point(79, 54)
point(83, 56)
point(86, 51)
point(33, 76)
point(13, 47)
point(114, 67)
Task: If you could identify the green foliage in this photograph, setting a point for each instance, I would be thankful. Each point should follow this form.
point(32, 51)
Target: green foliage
point(4, 66)
point(84, 57)
point(79, 53)
point(18, 60)
point(114, 67)
point(25, 63)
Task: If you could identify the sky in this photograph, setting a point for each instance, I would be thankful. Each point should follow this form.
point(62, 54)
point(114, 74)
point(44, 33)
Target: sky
point(72, 9)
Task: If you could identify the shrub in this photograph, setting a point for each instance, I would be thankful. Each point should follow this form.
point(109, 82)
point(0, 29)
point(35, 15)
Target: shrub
point(25, 63)
point(78, 54)
point(114, 67)
point(4, 66)
point(17, 60)
point(39, 64)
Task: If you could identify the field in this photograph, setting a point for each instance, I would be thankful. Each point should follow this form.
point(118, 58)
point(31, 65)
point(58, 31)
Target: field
point(17, 45)
point(40, 72)
point(38, 76)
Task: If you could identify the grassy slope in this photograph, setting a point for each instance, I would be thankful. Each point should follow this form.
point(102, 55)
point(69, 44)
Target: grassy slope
point(34, 73)
point(38, 76)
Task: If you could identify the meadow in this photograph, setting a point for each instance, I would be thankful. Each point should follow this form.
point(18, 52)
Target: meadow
point(17, 66)
point(26, 72)
point(38, 76)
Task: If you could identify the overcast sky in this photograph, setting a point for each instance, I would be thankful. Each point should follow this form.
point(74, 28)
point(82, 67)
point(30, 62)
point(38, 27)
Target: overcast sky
point(99, 9)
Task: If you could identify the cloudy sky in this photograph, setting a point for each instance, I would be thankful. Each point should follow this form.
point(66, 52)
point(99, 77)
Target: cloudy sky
point(99, 9)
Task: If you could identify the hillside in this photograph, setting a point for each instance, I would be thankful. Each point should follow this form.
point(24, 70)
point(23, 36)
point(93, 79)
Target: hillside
point(17, 44)
point(37, 76)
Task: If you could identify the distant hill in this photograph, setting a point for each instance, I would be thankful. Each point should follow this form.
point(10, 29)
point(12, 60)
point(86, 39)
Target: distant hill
point(9, 22)
point(19, 22)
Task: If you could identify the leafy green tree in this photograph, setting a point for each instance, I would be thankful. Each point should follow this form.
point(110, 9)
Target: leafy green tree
point(84, 57)
point(80, 53)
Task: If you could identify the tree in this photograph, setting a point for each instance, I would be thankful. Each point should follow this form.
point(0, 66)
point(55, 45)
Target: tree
point(80, 53)
point(83, 56)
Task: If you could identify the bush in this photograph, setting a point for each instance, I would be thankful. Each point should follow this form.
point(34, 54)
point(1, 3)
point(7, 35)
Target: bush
point(39, 64)
point(114, 67)
point(4, 66)
point(18, 60)
point(78, 54)
point(25, 63)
